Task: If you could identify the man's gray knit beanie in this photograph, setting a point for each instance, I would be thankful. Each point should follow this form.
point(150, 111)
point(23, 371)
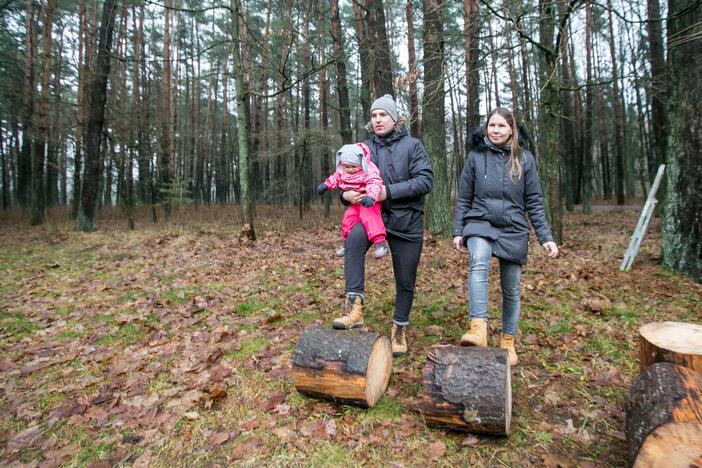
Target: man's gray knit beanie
point(386, 103)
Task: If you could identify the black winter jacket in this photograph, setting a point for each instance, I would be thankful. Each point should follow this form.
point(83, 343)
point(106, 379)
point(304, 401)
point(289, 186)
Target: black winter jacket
point(407, 175)
point(491, 205)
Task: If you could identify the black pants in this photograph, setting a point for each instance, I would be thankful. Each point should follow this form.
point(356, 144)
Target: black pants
point(405, 259)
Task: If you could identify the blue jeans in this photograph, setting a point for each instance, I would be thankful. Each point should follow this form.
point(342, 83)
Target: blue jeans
point(480, 250)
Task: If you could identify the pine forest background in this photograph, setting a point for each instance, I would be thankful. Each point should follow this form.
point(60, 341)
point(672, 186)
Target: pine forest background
point(150, 105)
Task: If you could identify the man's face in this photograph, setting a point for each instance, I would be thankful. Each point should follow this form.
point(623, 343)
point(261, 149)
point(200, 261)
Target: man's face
point(382, 122)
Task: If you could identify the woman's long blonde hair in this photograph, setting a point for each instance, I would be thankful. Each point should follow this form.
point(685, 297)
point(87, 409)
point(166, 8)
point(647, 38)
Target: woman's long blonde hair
point(515, 172)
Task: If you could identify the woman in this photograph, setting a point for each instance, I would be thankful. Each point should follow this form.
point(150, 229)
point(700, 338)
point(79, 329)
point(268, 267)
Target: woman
point(499, 185)
point(407, 177)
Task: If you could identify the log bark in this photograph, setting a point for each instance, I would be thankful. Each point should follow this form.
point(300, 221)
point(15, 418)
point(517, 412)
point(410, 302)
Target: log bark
point(664, 417)
point(350, 367)
point(676, 342)
point(468, 389)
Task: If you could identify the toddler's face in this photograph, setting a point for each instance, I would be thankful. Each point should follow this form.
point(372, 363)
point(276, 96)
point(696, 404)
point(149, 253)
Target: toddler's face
point(350, 168)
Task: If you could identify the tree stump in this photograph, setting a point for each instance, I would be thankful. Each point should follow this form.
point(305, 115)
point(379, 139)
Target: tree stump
point(676, 342)
point(347, 366)
point(664, 417)
point(468, 389)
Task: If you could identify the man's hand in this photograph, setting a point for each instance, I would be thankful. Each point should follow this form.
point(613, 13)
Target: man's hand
point(353, 197)
point(458, 244)
point(383, 195)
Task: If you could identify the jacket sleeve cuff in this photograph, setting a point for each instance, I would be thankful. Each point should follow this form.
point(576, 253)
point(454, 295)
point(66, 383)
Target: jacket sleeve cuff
point(388, 193)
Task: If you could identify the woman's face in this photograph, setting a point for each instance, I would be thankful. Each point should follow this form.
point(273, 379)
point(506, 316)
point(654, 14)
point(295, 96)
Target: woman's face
point(498, 130)
point(382, 122)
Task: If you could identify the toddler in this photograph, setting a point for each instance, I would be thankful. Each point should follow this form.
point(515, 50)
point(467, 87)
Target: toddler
point(355, 171)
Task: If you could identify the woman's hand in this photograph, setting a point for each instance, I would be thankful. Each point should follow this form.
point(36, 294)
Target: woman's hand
point(551, 249)
point(353, 197)
point(458, 243)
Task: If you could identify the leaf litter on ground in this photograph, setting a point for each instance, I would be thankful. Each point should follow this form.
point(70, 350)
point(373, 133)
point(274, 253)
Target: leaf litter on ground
point(173, 345)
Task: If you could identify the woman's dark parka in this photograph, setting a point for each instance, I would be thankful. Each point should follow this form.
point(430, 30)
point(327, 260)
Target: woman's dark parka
point(406, 171)
point(492, 205)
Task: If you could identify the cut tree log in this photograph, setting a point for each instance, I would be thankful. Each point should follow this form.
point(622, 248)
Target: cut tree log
point(676, 342)
point(347, 366)
point(468, 389)
point(664, 417)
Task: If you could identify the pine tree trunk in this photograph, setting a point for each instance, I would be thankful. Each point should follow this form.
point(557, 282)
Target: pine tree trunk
point(24, 161)
point(378, 50)
point(342, 89)
point(682, 223)
point(472, 53)
point(4, 154)
point(549, 109)
point(413, 74)
point(360, 13)
point(165, 169)
point(658, 84)
point(97, 97)
point(325, 165)
point(248, 230)
point(438, 216)
point(55, 132)
point(589, 103)
point(42, 127)
point(617, 115)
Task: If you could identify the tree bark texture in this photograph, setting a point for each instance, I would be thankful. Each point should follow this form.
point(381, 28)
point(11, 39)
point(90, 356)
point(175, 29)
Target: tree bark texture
point(468, 389)
point(351, 367)
point(618, 115)
point(42, 120)
point(434, 135)
point(472, 52)
point(360, 13)
point(342, 88)
point(682, 223)
point(413, 73)
point(676, 342)
point(248, 230)
point(95, 104)
point(654, 27)
point(549, 110)
point(24, 162)
point(379, 50)
point(664, 417)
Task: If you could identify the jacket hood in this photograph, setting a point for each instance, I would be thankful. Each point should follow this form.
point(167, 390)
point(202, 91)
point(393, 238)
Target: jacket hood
point(354, 153)
point(478, 141)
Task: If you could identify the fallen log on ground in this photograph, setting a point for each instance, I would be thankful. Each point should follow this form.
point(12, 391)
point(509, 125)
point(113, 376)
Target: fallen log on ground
point(346, 366)
point(468, 389)
point(664, 417)
point(676, 342)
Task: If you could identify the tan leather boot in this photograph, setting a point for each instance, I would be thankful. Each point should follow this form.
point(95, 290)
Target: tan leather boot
point(477, 335)
point(507, 342)
point(398, 340)
point(353, 314)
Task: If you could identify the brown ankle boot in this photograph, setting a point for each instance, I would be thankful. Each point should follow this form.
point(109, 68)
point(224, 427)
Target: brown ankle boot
point(353, 314)
point(507, 342)
point(398, 340)
point(477, 335)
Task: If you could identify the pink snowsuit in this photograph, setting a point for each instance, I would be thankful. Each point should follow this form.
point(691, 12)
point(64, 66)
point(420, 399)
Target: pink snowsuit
point(367, 181)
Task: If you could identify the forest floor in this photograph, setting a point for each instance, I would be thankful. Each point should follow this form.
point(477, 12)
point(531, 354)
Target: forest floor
point(171, 344)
